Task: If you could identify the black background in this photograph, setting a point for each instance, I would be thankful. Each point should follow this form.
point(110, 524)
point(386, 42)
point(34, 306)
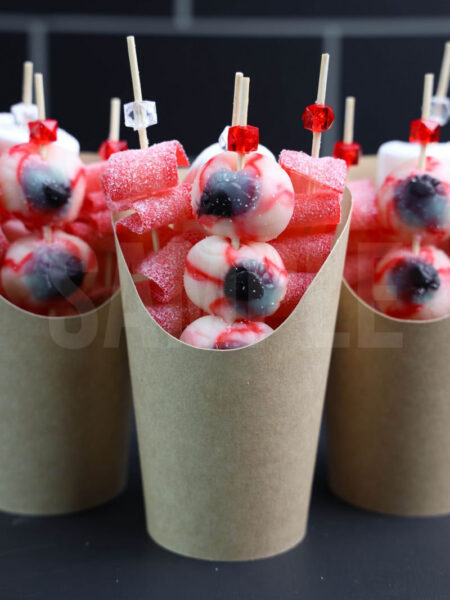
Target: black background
point(191, 76)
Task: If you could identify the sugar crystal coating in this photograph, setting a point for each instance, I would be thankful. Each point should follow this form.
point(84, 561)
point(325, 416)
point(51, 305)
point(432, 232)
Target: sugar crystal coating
point(314, 174)
point(138, 174)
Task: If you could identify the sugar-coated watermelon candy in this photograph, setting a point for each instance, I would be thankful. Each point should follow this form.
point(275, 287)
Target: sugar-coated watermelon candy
point(174, 317)
point(365, 208)
point(93, 173)
point(216, 334)
point(413, 285)
point(315, 210)
point(164, 269)
point(305, 253)
point(39, 271)
point(41, 191)
point(252, 204)
point(244, 283)
point(297, 285)
point(171, 206)
point(138, 174)
point(310, 175)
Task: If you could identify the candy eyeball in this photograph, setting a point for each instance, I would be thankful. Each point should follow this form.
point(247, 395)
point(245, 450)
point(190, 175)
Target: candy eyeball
point(215, 334)
point(252, 204)
point(415, 203)
point(41, 190)
point(412, 285)
point(39, 272)
point(245, 283)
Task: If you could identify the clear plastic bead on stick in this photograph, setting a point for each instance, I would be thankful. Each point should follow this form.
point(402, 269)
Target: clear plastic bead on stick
point(140, 114)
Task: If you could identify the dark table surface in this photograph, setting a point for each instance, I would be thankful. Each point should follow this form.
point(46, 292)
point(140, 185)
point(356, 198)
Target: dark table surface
point(105, 553)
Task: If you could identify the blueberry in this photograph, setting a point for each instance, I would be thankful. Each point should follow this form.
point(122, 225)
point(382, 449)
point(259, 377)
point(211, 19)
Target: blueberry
point(229, 193)
point(46, 189)
point(415, 280)
point(421, 201)
point(54, 274)
point(251, 289)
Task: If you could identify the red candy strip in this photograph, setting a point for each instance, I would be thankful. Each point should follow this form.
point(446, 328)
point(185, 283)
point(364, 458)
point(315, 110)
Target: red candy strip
point(315, 210)
point(173, 318)
point(165, 269)
point(172, 206)
point(314, 174)
point(93, 176)
point(297, 285)
point(365, 208)
point(138, 174)
point(306, 253)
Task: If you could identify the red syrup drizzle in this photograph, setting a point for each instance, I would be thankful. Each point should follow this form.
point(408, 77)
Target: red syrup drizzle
point(226, 338)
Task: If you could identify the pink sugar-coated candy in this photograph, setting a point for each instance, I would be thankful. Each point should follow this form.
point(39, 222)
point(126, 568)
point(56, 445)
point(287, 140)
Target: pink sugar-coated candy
point(174, 317)
point(138, 174)
point(94, 202)
point(315, 210)
point(310, 175)
point(360, 267)
point(365, 209)
point(14, 229)
point(304, 253)
point(214, 333)
point(136, 247)
point(95, 229)
point(297, 285)
point(367, 241)
point(93, 176)
point(172, 206)
point(165, 269)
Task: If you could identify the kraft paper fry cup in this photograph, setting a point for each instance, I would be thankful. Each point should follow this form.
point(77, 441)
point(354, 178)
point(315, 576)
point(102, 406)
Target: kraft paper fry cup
point(64, 411)
point(228, 439)
point(388, 408)
point(64, 408)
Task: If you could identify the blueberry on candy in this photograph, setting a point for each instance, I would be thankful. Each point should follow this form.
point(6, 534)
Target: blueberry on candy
point(54, 274)
point(46, 189)
point(415, 280)
point(251, 289)
point(229, 193)
point(421, 202)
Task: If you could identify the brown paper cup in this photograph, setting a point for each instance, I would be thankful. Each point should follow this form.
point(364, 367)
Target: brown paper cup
point(228, 439)
point(64, 412)
point(388, 409)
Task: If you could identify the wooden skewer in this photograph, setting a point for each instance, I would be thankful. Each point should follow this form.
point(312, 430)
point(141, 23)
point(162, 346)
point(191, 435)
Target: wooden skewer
point(137, 91)
point(40, 101)
point(243, 114)
point(426, 108)
point(349, 120)
point(40, 97)
point(27, 83)
point(237, 97)
point(321, 94)
point(114, 120)
point(444, 77)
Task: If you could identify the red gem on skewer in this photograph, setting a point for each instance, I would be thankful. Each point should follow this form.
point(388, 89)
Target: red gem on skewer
point(243, 139)
point(43, 132)
point(109, 147)
point(424, 131)
point(318, 117)
point(349, 152)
